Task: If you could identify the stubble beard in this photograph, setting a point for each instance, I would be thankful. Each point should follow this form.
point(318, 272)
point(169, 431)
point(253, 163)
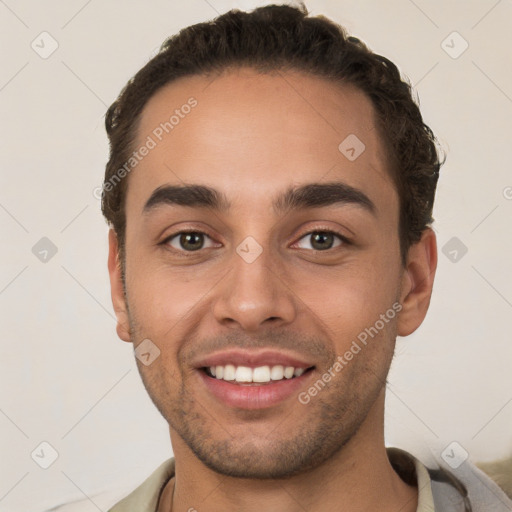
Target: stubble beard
point(327, 424)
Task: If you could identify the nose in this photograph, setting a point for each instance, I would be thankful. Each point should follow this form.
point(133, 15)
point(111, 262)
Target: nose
point(254, 295)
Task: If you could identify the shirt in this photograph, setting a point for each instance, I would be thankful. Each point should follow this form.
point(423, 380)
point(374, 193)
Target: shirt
point(464, 489)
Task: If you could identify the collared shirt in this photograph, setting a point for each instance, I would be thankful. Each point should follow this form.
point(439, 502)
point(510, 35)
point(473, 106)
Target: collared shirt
point(146, 497)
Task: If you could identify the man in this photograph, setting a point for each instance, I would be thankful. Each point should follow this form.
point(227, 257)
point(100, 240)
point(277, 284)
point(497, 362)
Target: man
point(270, 191)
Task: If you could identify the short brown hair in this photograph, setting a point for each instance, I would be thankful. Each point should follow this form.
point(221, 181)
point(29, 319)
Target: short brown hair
point(281, 37)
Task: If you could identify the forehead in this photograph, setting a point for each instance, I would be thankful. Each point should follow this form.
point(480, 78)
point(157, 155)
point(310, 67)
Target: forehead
point(251, 134)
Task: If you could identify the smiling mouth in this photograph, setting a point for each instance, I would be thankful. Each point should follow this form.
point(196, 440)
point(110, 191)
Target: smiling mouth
point(258, 376)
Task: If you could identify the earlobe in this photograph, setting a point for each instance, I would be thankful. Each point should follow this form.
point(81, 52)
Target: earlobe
point(116, 288)
point(417, 283)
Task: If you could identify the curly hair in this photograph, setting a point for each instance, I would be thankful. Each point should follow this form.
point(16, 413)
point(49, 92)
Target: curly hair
point(282, 37)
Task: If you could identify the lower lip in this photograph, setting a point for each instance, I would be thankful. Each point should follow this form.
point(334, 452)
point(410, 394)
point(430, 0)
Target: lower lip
point(253, 396)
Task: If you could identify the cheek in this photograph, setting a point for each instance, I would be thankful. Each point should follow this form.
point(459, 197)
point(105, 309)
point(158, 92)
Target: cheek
point(352, 299)
point(162, 302)
point(156, 305)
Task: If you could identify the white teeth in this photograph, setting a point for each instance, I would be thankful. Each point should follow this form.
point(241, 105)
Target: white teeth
point(259, 374)
point(243, 374)
point(229, 372)
point(288, 372)
point(277, 372)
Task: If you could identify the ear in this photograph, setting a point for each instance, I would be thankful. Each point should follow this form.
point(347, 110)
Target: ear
point(417, 282)
point(116, 287)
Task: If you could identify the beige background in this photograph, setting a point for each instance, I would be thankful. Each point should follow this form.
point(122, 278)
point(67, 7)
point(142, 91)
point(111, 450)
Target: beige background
point(67, 380)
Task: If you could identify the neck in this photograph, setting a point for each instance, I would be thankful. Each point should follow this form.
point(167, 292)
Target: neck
point(359, 477)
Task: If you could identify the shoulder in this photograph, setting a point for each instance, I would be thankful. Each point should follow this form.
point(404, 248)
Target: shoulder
point(454, 486)
point(468, 487)
point(146, 496)
point(501, 472)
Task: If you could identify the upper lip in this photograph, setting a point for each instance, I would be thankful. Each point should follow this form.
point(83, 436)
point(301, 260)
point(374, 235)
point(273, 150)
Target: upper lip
point(252, 359)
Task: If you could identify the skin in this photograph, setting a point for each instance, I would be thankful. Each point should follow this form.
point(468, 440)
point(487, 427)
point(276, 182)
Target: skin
point(251, 136)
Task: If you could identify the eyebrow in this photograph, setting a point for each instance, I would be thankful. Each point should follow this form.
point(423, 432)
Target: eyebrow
point(311, 195)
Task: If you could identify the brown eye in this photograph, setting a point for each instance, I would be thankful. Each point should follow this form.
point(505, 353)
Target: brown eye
point(191, 241)
point(323, 240)
point(188, 241)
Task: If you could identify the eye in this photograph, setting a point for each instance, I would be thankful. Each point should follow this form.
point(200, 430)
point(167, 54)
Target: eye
point(191, 241)
point(188, 241)
point(323, 240)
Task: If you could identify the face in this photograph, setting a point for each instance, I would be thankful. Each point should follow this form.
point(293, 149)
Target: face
point(288, 257)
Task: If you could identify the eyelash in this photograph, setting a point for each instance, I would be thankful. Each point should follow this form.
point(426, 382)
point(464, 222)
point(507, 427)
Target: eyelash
point(343, 239)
